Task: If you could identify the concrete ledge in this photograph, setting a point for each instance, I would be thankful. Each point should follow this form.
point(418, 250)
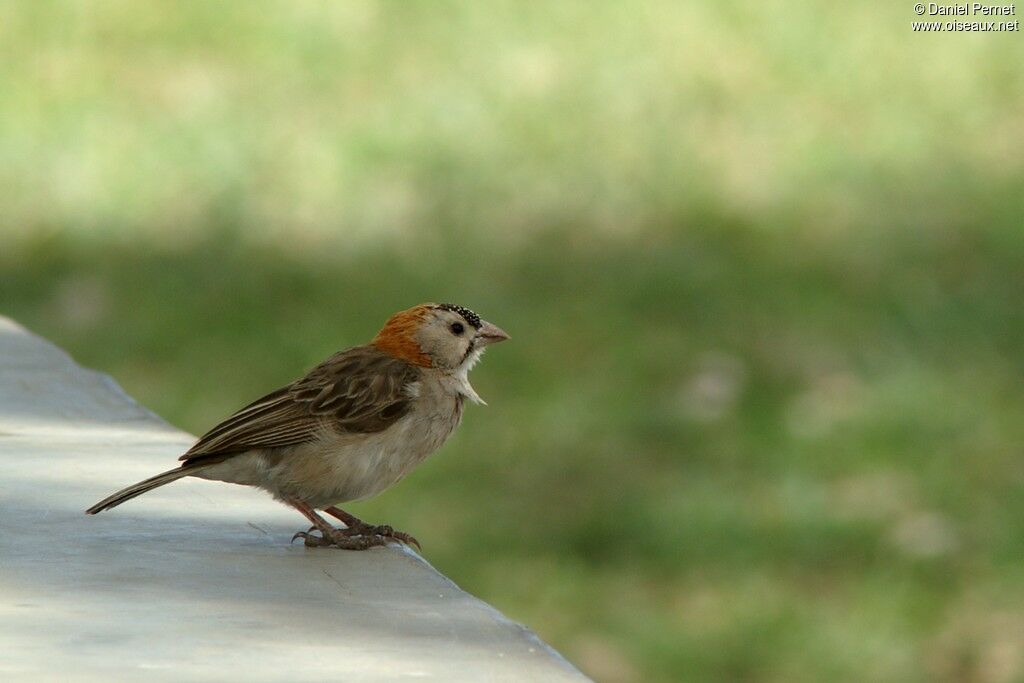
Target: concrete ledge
point(198, 581)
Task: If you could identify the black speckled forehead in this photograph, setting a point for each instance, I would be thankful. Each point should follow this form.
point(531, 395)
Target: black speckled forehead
point(471, 317)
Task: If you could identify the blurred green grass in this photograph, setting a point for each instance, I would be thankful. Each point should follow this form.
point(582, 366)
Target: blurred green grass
point(762, 266)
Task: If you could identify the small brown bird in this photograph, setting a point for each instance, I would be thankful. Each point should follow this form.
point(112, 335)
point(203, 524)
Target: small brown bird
point(353, 426)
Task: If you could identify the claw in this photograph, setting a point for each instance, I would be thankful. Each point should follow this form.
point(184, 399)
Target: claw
point(309, 540)
point(306, 535)
point(407, 539)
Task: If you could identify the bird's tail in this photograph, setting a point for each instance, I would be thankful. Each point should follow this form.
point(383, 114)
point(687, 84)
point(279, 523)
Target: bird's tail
point(130, 492)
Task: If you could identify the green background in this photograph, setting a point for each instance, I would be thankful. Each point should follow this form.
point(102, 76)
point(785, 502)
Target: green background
point(762, 264)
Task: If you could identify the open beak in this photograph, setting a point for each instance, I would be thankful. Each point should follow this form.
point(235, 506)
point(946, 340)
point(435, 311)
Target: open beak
point(489, 334)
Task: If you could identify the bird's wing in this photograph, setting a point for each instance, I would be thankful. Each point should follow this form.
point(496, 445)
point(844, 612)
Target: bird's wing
point(360, 390)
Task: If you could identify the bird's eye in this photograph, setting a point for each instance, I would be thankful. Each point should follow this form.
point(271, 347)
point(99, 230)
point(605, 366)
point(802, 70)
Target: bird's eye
point(457, 328)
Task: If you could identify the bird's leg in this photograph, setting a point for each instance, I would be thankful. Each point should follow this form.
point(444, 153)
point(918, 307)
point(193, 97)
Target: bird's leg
point(349, 520)
point(330, 536)
point(360, 528)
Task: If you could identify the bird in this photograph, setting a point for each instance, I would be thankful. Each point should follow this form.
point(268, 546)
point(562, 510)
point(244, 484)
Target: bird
point(353, 426)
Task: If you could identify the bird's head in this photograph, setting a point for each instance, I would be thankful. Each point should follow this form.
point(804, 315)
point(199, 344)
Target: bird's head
point(442, 336)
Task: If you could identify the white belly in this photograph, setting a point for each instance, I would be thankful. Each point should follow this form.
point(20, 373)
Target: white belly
point(341, 468)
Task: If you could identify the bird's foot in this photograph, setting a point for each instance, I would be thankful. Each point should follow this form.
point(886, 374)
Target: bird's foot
point(359, 527)
point(353, 538)
point(338, 538)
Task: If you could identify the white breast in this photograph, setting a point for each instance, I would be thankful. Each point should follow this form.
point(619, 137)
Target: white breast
point(346, 467)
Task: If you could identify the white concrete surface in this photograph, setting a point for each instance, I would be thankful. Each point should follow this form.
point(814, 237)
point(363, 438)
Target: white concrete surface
point(197, 581)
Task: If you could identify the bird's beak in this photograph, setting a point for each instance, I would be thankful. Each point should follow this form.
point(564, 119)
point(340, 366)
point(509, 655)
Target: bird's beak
point(490, 334)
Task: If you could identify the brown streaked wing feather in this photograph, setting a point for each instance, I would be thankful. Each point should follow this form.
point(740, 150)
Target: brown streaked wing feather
point(361, 390)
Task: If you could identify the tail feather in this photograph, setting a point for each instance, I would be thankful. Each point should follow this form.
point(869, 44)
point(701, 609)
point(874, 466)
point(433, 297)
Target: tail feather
point(143, 486)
